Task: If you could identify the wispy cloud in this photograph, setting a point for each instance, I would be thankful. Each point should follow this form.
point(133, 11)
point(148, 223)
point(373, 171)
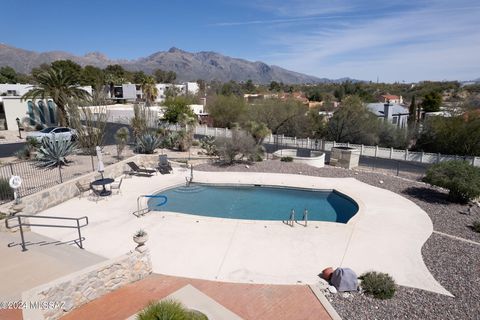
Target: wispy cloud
point(431, 40)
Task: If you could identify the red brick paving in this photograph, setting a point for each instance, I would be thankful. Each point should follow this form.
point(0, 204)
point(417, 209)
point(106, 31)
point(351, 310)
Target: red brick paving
point(13, 314)
point(249, 301)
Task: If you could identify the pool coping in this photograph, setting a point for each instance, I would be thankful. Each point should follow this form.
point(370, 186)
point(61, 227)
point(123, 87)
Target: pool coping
point(350, 221)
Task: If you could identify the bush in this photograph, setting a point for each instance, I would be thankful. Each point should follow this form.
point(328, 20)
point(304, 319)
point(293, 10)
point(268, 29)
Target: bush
point(459, 177)
point(169, 309)
point(476, 226)
point(286, 159)
point(122, 136)
point(379, 285)
point(208, 144)
point(239, 146)
point(195, 143)
point(6, 193)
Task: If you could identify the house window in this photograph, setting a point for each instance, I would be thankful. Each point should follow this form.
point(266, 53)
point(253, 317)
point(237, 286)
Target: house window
point(51, 111)
point(41, 111)
point(31, 113)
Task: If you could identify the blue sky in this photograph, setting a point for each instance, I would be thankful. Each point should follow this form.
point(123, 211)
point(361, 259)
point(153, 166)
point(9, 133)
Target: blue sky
point(394, 40)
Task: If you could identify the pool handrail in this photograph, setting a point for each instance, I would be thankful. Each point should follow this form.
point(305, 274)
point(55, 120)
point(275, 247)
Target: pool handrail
point(140, 212)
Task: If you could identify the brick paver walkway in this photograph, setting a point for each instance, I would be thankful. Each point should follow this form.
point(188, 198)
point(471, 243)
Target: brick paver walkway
point(249, 301)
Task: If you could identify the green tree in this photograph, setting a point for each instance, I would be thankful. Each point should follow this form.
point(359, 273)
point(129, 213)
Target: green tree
point(249, 87)
point(412, 118)
point(227, 110)
point(275, 86)
point(8, 75)
point(116, 74)
point(455, 135)
point(139, 77)
point(231, 88)
point(93, 76)
point(259, 131)
point(41, 68)
point(69, 68)
point(60, 87)
point(353, 123)
point(162, 76)
point(176, 108)
point(432, 102)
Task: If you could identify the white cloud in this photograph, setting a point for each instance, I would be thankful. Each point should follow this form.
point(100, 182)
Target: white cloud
point(440, 40)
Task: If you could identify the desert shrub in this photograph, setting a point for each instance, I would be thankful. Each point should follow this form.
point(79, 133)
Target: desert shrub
point(6, 193)
point(147, 143)
point(208, 144)
point(53, 153)
point(27, 152)
point(121, 138)
point(286, 159)
point(476, 226)
point(169, 309)
point(460, 178)
point(239, 146)
point(379, 285)
point(195, 143)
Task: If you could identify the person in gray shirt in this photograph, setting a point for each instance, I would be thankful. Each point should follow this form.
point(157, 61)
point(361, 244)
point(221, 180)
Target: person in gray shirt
point(343, 279)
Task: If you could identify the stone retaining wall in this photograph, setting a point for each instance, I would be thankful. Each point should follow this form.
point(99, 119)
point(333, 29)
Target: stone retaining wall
point(51, 197)
point(54, 299)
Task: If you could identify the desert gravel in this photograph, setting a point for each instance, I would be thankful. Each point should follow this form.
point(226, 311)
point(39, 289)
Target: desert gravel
point(454, 263)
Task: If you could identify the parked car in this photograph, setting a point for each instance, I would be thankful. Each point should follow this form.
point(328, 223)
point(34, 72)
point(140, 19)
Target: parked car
point(54, 132)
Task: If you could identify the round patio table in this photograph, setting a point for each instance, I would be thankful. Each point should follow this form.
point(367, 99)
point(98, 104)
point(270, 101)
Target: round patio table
point(103, 182)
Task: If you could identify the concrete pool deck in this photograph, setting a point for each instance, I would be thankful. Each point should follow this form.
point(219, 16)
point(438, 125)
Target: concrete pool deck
point(386, 235)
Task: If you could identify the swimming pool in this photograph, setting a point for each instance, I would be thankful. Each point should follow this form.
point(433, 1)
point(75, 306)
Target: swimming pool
point(256, 202)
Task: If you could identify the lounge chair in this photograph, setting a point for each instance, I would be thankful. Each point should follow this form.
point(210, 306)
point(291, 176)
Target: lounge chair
point(135, 169)
point(163, 164)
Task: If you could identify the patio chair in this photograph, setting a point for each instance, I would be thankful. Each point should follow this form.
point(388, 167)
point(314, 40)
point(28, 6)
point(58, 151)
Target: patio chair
point(82, 188)
point(163, 164)
point(116, 186)
point(135, 169)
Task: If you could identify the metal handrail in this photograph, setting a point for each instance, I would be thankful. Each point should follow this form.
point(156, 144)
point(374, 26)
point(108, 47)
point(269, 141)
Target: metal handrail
point(20, 224)
point(140, 212)
point(305, 217)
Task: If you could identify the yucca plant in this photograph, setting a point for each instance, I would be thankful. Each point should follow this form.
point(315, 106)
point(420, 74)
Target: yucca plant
point(147, 143)
point(53, 153)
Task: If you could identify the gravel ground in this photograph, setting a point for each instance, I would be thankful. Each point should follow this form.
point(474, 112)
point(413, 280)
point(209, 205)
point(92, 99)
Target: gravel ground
point(455, 264)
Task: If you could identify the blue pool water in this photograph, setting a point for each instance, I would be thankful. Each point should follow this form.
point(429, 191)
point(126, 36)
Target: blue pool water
point(256, 203)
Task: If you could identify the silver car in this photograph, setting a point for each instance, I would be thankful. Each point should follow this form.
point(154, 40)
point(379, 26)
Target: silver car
point(54, 133)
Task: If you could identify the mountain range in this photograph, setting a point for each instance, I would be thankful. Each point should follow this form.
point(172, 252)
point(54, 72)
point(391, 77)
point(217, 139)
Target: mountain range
point(188, 66)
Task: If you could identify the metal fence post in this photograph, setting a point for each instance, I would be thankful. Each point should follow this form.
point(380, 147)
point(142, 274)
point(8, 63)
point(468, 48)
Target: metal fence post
point(60, 173)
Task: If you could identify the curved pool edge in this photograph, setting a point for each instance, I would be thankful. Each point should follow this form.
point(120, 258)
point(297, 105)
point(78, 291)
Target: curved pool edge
point(356, 203)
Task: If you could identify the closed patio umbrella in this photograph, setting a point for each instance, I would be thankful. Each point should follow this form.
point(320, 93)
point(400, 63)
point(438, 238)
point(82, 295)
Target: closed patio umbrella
point(100, 165)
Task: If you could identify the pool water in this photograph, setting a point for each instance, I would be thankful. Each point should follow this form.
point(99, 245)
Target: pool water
point(256, 202)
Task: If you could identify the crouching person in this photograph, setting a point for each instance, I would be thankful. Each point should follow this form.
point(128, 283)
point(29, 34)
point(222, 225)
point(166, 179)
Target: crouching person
point(343, 279)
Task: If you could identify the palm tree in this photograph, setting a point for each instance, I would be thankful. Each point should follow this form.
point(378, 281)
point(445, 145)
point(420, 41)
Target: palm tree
point(150, 91)
point(60, 87)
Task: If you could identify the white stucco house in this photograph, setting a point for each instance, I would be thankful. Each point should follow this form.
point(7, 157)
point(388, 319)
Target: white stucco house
point(394, 113)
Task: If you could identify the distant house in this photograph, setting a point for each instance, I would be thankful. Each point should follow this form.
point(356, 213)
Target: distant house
point(394, 113)
point(185, 88)
point(124, 93)
point(389, 98)
point(31, 114)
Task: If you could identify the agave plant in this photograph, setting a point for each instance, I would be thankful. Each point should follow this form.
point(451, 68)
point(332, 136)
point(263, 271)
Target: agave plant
point(53, 152)
point(147, 143)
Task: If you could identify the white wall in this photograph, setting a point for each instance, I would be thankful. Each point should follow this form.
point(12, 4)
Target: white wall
point(16, 108)
point(20, 89)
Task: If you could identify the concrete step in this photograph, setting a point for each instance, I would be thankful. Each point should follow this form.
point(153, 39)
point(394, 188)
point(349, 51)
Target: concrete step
point(45, 260)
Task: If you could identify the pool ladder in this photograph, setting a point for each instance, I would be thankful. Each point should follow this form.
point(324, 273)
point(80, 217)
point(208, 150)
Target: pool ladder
point(291, 221)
